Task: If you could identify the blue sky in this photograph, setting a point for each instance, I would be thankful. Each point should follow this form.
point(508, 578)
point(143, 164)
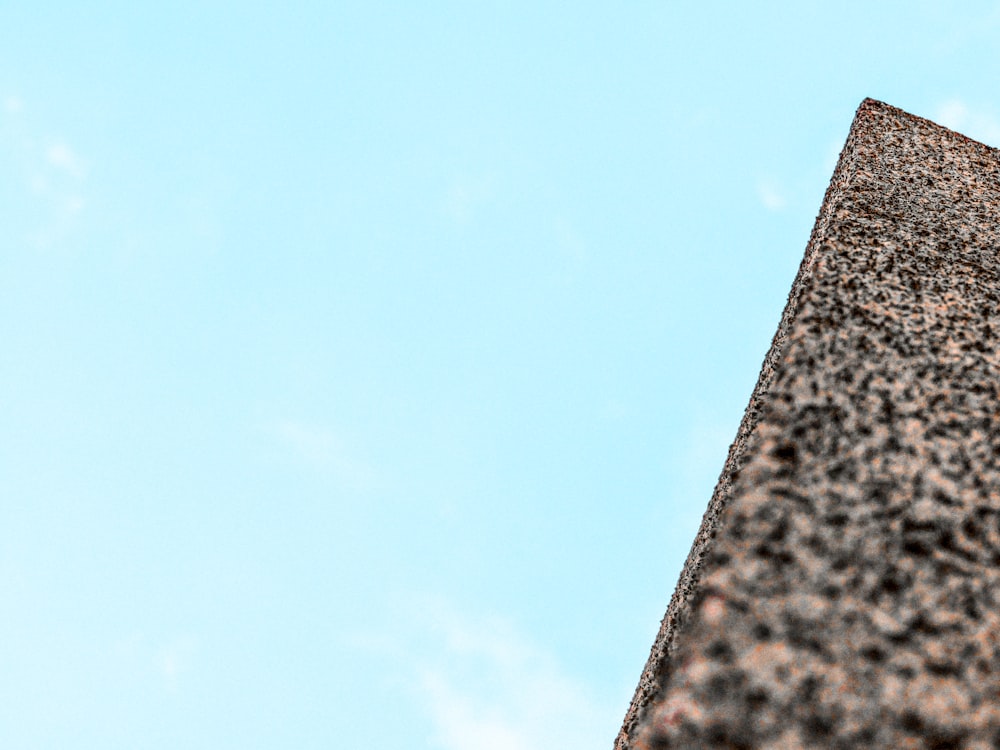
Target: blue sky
point(367, 367)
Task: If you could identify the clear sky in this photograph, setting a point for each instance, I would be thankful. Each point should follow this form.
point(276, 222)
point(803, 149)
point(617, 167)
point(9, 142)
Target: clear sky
point(367, 366)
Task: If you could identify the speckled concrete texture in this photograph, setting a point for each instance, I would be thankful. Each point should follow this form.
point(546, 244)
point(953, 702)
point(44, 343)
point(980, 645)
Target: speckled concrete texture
point(844, 588)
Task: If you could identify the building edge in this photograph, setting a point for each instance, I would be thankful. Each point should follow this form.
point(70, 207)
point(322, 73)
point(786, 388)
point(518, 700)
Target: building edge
point(657, 668)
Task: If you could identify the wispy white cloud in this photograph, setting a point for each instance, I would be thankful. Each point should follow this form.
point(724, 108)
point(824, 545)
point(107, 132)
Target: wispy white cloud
point(53, 172)
point(569, 242)
point(770, 195)
point(975, 123)
point(164, 661)
point(174, 658)
point(325, 451)
point(615, 410)
point(465, 196)
point(60, 156)
point(487, 686)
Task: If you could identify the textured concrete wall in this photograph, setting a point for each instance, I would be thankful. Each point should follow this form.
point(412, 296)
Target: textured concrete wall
point(844, 588)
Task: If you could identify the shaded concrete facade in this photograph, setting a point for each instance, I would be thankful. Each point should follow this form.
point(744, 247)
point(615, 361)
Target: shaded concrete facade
point(843, 590)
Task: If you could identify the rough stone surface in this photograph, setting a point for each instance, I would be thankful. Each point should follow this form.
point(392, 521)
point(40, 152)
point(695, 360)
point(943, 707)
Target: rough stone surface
point(844, 588)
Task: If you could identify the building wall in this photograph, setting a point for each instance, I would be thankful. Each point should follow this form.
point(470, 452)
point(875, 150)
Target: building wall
point(843, 588)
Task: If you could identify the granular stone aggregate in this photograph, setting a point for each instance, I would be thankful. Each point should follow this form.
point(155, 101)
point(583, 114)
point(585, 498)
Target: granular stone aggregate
point(844, 588)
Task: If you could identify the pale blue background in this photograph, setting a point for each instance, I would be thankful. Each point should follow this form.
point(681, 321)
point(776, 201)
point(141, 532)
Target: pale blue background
point(366, 367)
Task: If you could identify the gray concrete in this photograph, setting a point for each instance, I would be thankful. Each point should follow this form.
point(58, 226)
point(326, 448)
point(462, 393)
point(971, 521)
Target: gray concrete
point(844, 588)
